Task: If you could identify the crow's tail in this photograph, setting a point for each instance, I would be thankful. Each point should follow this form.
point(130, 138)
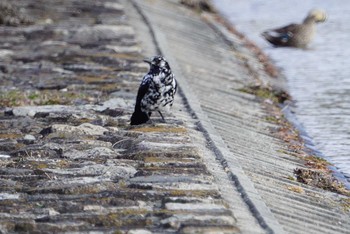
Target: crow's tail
point(139, 117)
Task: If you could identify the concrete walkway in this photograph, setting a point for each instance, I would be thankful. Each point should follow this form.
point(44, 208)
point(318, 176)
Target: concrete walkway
point(212, 67)
point(70, 162)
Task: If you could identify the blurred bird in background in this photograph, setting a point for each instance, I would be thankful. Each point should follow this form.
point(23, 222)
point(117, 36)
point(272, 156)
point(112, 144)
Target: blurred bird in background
point(296, 35)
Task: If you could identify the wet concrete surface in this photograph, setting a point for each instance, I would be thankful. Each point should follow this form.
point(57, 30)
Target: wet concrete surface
point(229, 86)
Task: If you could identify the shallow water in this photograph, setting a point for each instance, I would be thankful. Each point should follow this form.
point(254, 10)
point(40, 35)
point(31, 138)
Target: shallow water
point(319, 77)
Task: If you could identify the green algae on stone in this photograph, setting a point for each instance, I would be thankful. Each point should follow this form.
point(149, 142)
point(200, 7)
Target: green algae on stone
point(109, 87)
point(193, 193)
point(282, 151)
point(42, 97)
point(273, 119)
point(266, 93)
point(73, 189)
point(38, 164)
point(11, 98)
point(63, 163)
point(123, 218)
point(296, 189)
point(10, 135)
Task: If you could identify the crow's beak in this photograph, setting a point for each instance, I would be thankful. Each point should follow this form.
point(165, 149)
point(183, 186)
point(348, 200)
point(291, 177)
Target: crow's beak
point(148, 61)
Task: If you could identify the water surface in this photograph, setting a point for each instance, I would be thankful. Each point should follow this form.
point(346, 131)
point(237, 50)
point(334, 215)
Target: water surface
point(319, 77)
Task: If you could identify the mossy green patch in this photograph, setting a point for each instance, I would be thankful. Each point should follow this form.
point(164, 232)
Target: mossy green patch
point(273, 119)
point(175, 155)
point(11, 98)
point(9, 135)
point(118, 232)
point(39, 165)
point(104, 83)
point(42, 97)
point(109, 87)
point(260, 92)
point(63, 163)
point(194, 193)
point(33, 96)
point(29, 164)
point(296, 189)
point(122, 184)
point(122, 218)
point(282, 151)
point(266, 93)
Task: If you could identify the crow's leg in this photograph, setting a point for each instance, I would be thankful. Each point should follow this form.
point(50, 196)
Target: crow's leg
point(162, 116)
point(149, 117)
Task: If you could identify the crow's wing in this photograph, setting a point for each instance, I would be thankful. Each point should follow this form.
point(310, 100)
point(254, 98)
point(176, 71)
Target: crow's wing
point(144, 86)
point(139, 117)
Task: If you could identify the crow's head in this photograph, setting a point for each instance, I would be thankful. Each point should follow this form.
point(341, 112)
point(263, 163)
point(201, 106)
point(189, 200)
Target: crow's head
point(158, 63)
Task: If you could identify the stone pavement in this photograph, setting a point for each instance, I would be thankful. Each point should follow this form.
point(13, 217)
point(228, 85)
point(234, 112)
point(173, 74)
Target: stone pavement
point(69, 159)
point(70, 162)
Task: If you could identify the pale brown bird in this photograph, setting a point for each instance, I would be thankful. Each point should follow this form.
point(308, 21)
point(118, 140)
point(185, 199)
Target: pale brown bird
point(296, 35)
